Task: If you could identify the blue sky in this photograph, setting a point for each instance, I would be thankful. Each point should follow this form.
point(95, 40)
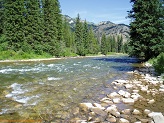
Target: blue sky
point(97, 10)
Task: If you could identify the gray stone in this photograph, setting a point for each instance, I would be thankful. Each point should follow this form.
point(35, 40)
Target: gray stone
point(98, 111)
point(157, 117)
point(122, 120)
point(128, 100)
point(136, 112)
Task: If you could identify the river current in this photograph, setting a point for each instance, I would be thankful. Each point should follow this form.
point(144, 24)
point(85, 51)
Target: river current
point(49, 90)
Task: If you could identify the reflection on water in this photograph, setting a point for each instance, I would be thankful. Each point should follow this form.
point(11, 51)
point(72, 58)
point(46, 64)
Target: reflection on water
point(50, 89)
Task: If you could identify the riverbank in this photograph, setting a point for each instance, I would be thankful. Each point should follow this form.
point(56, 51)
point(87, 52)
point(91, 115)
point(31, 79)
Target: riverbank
point(55, 58)
point(136, 100)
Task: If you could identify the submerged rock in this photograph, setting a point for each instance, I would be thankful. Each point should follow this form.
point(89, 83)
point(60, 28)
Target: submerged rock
point(126, 111)
point(86, 106)
point(98, 111)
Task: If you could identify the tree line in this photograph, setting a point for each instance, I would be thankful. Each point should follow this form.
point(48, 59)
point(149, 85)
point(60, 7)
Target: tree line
point(38, 26)
point(146, 28)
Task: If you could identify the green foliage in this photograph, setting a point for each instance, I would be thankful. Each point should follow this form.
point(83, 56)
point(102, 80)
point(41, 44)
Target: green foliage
point(113, 44)
point(80, 50)
point(93, 46)
point(104, 47)
point(12, 55)
point(146, 28)
point(159, 64)
point(67, 53)
point(35, 29)
point(53, 27)
point(119, 43)
point(3, 43)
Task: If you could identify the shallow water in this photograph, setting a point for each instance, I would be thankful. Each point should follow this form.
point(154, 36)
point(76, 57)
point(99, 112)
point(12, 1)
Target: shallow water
point(49, 90)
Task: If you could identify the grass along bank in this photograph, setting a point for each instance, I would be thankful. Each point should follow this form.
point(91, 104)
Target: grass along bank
point(12, 56)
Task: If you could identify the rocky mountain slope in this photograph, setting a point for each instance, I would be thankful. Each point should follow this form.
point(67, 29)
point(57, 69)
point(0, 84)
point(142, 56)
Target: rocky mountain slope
point(106, 27)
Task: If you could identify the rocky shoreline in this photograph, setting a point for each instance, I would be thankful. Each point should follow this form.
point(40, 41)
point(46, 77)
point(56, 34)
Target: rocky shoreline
point(143, 95)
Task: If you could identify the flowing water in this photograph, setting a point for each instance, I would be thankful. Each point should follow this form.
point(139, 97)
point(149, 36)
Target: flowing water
point(48, 90)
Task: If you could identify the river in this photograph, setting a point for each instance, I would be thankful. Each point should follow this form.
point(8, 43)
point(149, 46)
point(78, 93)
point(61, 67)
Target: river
point(48, 90)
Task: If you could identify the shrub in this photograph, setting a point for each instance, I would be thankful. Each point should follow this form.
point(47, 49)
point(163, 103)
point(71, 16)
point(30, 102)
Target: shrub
point(159, 64)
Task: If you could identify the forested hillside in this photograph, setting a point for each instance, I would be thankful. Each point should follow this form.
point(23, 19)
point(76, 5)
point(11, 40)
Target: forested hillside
point(29, 28)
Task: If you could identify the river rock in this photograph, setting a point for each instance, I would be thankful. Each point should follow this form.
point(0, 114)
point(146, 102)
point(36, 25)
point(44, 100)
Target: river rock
point(122, 120)
point(116, 100)
point(98, 111)
point(136, 112)
point(86, 106)
point(128, 100)
point(135, 91)
point(146, 111)
point(135, 96)
point(128, 86)
point(151, 101)
point(76, 111)
point(126, 111)
point(113, 95)
point(124, 93)
point(112, 108)
point(111, 119)
point(158, 117)
point(144, 88)
point(119, 82)
point(98, 106)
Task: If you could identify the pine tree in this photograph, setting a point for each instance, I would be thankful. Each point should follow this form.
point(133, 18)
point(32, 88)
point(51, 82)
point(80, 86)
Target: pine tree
point(113, 44)
point(67, 33)
point(85, 37)
point(93, 43)
point(79, 37)
point(1, 16)
point(119, 43)
point(14, 20)
point(104, 49)
point(53, 27)
point(109, 43)
point(146, 28)
point(34, 26)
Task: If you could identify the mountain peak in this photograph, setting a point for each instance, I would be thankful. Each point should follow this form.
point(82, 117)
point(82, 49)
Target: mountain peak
point(105, 22)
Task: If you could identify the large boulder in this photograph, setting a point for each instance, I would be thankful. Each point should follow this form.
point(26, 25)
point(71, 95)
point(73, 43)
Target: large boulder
point(157, 117)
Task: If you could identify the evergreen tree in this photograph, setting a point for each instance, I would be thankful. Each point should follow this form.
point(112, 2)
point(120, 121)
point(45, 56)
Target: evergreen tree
point(53, 27)
point(146, 28)
point(93, 43)
point(79, 37)
point(119, 43)
point(109, 43)
point(67, 33)
point(113, 44)
point(1, 16)
point(104, 49)
point(34, 26)
point(14, 21)
point(85, 37)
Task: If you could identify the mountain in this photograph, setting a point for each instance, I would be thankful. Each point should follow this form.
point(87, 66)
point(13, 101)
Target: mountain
point(106, 27)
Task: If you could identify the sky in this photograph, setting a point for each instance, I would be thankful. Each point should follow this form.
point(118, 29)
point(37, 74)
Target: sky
point(97, 10)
